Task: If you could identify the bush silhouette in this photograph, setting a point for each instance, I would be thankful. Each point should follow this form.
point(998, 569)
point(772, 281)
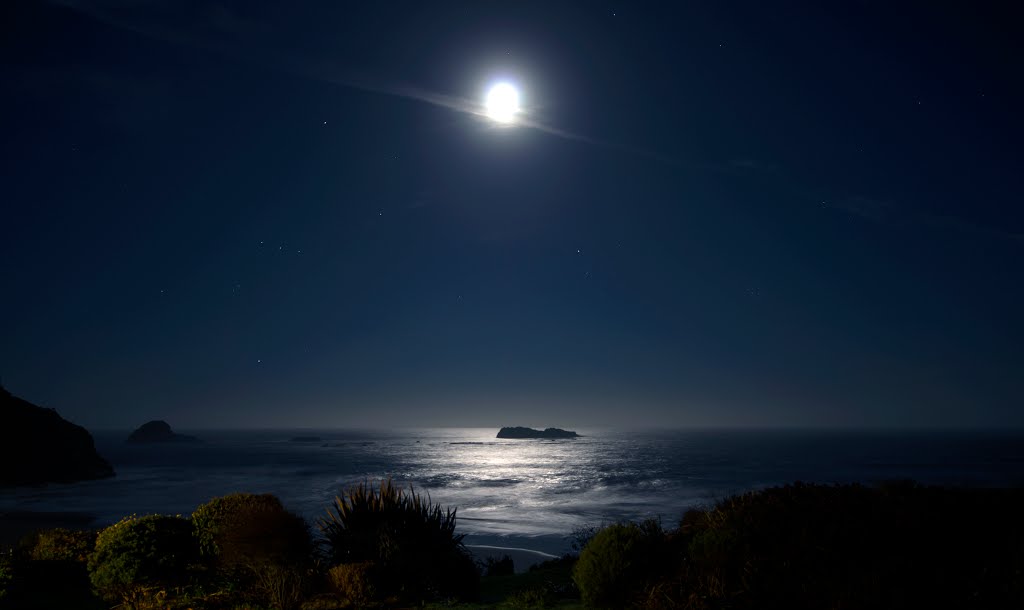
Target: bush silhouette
point(618, 562)
point(493, 566)
point(849, 546)
point(138, 556)
point(256, 545)
point(240, 529)
point(63, 545)
point(412, 540)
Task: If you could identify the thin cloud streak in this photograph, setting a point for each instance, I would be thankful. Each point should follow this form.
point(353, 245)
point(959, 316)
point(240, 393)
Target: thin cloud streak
point(476, 109)
point(303, 69)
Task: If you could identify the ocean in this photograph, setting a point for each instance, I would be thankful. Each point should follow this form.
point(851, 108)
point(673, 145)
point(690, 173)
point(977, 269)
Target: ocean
point(521, 493)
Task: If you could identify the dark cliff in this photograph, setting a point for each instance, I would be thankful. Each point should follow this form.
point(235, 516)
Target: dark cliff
point(39, 446)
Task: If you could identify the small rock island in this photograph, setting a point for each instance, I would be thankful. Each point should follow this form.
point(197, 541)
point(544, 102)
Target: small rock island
point(520, 432)
point(158, 431)
point(37, 446)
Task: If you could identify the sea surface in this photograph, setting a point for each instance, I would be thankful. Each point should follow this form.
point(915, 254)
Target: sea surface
point(521, 493)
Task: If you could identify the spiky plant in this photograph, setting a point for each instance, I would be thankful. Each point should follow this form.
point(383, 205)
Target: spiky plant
point(411, 539)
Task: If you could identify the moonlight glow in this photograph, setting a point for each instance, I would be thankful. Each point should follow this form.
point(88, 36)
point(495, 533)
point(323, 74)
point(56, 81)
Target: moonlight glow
point(502, 103)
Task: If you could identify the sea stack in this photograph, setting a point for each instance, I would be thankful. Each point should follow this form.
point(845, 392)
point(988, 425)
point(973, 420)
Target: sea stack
point(520, 432)
point(39, 446)
point(158, 431)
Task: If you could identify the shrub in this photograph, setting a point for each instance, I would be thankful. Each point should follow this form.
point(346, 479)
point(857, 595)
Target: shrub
point(139, 555)
point(412, 540)
point(238, 526)
point(493, 566)
point(618, 563)
point(281, 586)
point(256, 545)
point(6, 575)
point(850, 546)
point(63, 545)
point(354, 583)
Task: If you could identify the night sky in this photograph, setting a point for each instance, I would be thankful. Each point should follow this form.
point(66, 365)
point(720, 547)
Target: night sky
point(255, 214)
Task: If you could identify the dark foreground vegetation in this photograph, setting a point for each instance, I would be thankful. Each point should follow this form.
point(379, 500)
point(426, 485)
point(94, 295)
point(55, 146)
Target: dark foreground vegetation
point(807, 546)
point(799, 546)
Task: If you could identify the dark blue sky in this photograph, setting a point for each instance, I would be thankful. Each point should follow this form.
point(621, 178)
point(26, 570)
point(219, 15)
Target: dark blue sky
point(736, 213)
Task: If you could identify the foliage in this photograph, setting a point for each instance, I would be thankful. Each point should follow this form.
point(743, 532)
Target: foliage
point(233, 527)
point(6, 575)
point(614, 567)
point(849, 546)
point(799, 546)
point(550, 580)
point(280, 585)
point(354, 583)
point(28, 583)
point(581, 536)
point(412, 540)
point(494, 566)
point(138, 556)
point(63, 545)
point(528, 599)
point(256, 546)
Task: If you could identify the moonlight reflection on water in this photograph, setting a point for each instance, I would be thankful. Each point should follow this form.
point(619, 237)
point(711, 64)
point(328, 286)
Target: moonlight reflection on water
point(520, 488)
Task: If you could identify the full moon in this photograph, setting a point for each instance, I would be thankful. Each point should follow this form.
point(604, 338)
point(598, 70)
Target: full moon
point(502, 103)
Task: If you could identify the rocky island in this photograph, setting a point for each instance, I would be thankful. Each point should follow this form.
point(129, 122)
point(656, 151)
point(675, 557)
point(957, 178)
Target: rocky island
point(158, 431)
point(521, 432)
point(39, 446)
